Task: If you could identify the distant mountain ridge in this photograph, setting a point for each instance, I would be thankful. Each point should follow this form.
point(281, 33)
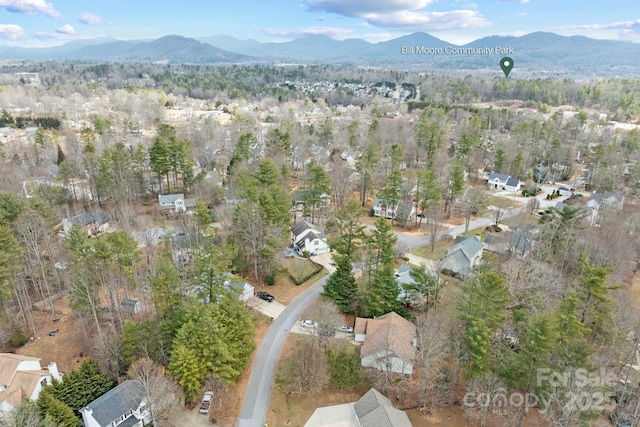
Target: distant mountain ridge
point(535, 52)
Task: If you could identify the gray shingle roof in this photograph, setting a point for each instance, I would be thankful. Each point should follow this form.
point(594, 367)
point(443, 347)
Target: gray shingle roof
point(375, 410)
point(116, 402)
point(513, 182)
point(89, 218)
point(500, 176)
point(303, 226)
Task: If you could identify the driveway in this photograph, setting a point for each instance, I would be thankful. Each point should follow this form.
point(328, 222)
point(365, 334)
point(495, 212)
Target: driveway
point(271, 309)
point(180, 417)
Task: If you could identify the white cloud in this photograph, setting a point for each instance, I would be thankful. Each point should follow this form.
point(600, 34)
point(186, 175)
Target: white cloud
point(30, 7)
point(333, 32)
point(624, 30)
point(428, 21)
point(91, 19)
point(11, 32)
point(356, 8)
point(403, 15)
point(65, 29)
point(509, 1)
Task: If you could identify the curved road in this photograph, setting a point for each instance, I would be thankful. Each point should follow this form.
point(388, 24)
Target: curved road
point(256, 399)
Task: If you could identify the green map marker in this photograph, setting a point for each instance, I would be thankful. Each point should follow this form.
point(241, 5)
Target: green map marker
point(506, 64)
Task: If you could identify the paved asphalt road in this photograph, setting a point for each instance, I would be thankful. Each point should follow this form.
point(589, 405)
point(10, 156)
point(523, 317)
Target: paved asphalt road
point(256, 399)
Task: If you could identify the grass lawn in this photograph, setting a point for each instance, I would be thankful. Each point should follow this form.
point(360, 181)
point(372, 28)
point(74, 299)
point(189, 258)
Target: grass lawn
point(502, 202)
point(440, 249)
point(521, 219)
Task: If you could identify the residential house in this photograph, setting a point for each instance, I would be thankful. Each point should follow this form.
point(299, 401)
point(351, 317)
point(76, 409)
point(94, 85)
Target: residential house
point(389, 343)
point(300, 197)
point(601, 202)
point(462, 257)
point(405, 281)
point(233, 283)
point(513, 184)
point(175, 202)
point(122, 406)
point(402, 209)
point(371, 410)
point(498, 181)
point(92, 223)
point(22, 378)
point(308, 238)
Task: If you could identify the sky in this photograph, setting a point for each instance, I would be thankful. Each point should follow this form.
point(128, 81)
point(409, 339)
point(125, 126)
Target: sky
point(40, 23)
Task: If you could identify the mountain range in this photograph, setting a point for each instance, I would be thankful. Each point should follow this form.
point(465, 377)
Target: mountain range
point(538, 52)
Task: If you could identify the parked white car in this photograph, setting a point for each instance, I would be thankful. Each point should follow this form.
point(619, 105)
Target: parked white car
point(205, 405)
point(308, 324)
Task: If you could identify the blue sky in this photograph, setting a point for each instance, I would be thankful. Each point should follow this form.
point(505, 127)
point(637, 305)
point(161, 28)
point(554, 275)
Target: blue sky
point(45, 23)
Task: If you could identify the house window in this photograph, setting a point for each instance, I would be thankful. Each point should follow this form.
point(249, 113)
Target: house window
point(316, 243)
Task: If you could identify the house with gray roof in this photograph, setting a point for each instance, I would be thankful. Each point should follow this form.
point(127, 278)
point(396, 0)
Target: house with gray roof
point(92, 223)
point(175, 202)
point(306, 237)
point(498, 181)
point(372, 410)
point(462, 257)
point(407, 294)
point(512, 184)
point(122, 406)
point(375, 410)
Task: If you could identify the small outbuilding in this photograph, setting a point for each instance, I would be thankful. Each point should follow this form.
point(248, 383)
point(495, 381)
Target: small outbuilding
point(131, 306)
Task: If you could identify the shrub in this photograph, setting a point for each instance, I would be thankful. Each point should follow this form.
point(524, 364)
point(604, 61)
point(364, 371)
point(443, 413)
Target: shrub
point(18, 339)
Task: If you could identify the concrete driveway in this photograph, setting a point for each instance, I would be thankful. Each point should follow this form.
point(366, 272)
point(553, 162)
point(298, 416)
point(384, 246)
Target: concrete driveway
point(271, 309)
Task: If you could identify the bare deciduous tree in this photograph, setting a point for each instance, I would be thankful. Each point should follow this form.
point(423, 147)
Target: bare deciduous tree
point(160, 392)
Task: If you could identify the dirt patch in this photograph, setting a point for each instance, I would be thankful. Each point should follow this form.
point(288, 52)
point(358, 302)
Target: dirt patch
point(67, 347)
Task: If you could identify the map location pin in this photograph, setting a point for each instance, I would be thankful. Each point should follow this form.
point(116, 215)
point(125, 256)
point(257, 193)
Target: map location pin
point(506, 64)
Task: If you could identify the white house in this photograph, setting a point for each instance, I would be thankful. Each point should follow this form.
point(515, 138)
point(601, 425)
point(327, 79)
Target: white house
point(120, 406)
point(175, 202)
point(21, 378)
point(513, 184)
point(498, 181)
point(389, 343)
point(404, 209)
point(306, 237)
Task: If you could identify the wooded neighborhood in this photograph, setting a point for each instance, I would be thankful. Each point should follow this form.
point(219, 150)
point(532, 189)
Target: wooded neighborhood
point(473, 231)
